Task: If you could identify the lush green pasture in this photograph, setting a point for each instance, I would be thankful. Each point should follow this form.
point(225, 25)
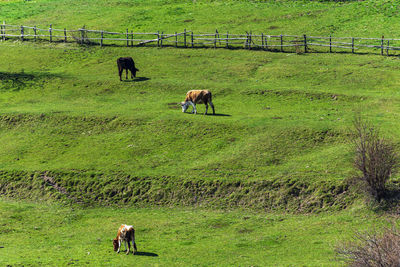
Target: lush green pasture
point(278, 114)
point(280, 117)
point(53, 235)
point(346, 18)
point(70, 131)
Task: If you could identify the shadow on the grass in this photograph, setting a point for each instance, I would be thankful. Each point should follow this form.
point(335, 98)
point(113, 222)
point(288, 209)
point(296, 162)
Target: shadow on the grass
point(148, 254)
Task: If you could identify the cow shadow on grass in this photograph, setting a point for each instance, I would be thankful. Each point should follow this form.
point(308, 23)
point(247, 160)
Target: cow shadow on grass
point(175, 105)
point(208, 114)
point(220, 115)
point(147, 254)
point(137, 79)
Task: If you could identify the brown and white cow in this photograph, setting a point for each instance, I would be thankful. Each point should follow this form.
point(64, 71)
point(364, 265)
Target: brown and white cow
point(126, 233)
point(194, 97)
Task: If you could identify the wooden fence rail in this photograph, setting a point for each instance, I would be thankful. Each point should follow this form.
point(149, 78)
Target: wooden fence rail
point(248, 40)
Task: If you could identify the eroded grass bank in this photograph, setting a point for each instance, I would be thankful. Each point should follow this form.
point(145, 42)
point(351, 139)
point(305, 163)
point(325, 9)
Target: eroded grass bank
point(94, 189)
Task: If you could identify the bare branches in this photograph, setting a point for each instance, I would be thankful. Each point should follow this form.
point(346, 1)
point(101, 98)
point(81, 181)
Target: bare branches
point(375, 157)
point(371, 249)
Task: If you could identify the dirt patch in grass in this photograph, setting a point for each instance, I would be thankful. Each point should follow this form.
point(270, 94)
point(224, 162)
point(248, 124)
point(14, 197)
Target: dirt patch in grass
point(174, 105)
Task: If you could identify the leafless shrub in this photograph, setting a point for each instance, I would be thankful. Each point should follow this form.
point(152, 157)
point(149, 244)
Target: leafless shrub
point(375, 157)
point(372, 249)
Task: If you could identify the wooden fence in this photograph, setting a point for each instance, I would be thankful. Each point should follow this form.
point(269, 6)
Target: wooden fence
point(188, 39)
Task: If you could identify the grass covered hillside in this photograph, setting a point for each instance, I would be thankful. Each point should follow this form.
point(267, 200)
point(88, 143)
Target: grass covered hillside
point(283, 120)
point(279, 116)
point(60, 236)
point(341, 18)
point(264, 182)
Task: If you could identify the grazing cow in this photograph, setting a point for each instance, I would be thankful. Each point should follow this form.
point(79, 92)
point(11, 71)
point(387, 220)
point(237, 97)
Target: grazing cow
point(197, 96)
point(127, 64)
point(125, 233)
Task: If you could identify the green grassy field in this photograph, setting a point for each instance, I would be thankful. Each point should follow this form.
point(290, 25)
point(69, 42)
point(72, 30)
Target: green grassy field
point(53, 235)
point(72, 133)
point(344, 18)
point(277, 112)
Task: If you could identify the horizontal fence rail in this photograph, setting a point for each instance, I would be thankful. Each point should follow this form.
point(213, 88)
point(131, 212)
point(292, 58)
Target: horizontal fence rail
point(189, 39)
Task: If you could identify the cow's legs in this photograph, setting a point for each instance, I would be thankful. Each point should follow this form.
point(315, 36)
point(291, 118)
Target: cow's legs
point(206, 108)
point(119, 245)
point(129, 247)
point(212, 106)
point(194, 107)
point(120, 70)
point(131, 75)
point(126, 74)
point(133, 242)
point(134, 247)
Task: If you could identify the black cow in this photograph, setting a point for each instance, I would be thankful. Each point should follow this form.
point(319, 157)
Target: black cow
point(127, 64)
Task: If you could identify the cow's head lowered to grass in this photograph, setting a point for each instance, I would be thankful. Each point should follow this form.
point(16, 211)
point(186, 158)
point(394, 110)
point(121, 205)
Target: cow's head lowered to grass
point(185, 106)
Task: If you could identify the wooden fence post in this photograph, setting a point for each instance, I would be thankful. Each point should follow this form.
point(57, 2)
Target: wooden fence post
point(127, 38)
point(215, 39)
point(4, 30)
point(51, 33)
point(22, 33)
point(176, 40)
point(330, 44)
point(262, 40)
point(161, 42)
point(382, 44)
point(81, 30)
point(227, 40)
point(250, 40)
point(101, 39)
point(281, 43)
point(184, 37)
point(247, 40)
point(158, 38)
point(387, 48)
point(305, 43)
point(1, 32)
point(352, 45)
point(65, 35)
point(192, 39)
point(34, 30)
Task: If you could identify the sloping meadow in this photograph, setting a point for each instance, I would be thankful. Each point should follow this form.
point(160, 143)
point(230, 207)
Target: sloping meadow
point(280, 118)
